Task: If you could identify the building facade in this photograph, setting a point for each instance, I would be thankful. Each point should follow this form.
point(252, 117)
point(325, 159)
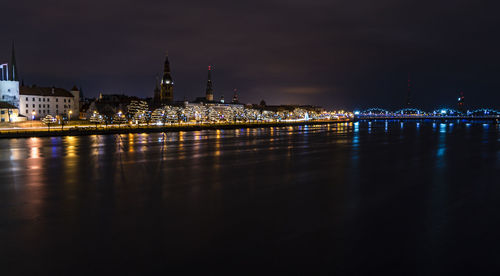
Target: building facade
point(38, 102)
point(9, 81)
point(8, 112)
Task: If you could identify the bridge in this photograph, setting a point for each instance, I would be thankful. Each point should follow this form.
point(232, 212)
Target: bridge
point(487, 114)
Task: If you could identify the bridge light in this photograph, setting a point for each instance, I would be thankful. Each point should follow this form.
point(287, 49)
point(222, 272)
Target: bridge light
point(356, 112)
point(443, 111)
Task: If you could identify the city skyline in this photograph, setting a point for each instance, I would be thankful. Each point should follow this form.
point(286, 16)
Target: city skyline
point(283, 52)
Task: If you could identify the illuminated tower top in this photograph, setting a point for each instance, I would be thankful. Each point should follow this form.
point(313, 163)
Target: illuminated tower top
point(166, 84)
point(209, 93)
point(167, 77)
point(461, 102)
point(235, 96)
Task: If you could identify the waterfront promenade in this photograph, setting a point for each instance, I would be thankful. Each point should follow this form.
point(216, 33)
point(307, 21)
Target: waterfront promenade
point(39, 130)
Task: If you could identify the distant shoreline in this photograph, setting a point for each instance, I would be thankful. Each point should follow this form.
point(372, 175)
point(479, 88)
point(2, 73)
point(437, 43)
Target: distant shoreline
point(56, 131)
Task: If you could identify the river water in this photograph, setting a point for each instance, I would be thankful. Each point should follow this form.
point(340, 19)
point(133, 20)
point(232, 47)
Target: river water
point(351, 198)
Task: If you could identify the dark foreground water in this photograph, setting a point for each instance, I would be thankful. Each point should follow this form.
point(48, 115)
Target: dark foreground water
point(401, 198)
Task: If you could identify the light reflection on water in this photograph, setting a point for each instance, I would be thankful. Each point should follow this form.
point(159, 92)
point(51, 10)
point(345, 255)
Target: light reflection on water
point(183, 191)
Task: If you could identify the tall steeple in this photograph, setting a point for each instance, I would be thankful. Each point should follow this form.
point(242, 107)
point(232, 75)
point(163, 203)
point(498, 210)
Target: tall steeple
point(156, 92)
point(209, 93)
point(408, 96)
point(166, 84)
point(13, 66)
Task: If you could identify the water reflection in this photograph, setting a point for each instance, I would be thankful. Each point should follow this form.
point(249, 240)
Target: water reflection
point(187, 191)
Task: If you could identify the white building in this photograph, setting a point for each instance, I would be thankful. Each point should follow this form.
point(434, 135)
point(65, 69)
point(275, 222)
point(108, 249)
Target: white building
point(9, 81)
point(9, 86)
point(42, 101)
point(9, 92)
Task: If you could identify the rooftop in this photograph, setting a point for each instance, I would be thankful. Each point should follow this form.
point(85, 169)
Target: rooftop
point(44, 91)
point(6, 105)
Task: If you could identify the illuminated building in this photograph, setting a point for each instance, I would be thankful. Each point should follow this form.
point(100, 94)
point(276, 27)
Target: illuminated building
point(8, 112)
point(9, 81)
point(44, 101)
point(166, 95)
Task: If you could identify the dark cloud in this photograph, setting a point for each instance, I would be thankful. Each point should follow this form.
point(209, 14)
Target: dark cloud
point(331, 53)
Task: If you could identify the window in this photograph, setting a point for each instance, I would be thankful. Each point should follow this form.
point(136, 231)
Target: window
point(57, 100)
point(69, 101)
point(57, 106)
point(48, 106)
point(39, 112)
point(3, 119)
point(26, 105)
point(33, 105)
point(27, 99)
point(26, 111)
point(2, 112)
point(64, 100)
point(43, 99)
point(43, 106)
point(33, 99)
point(39, 106)
point(39, 99)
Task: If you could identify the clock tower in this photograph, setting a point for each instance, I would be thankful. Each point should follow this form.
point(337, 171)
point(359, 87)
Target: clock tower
point(166, 84)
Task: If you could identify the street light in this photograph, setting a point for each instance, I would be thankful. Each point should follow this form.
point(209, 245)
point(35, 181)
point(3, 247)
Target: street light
point(70, 112)
point(32, 117)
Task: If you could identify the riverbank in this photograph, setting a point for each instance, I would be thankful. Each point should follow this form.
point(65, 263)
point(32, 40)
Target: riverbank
point(125, 129)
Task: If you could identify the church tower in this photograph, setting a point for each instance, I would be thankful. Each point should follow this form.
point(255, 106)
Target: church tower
point(13, 66)
point(209, 93)
point(166, 84)
point(156, 93)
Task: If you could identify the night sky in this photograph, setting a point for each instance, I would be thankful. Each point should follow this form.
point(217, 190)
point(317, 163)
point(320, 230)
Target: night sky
point(348, 54)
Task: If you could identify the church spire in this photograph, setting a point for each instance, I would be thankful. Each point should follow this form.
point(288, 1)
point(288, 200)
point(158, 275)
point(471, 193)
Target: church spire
point(13, 65)
point(209, 93)
point(166, 84)
point(166, 67)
